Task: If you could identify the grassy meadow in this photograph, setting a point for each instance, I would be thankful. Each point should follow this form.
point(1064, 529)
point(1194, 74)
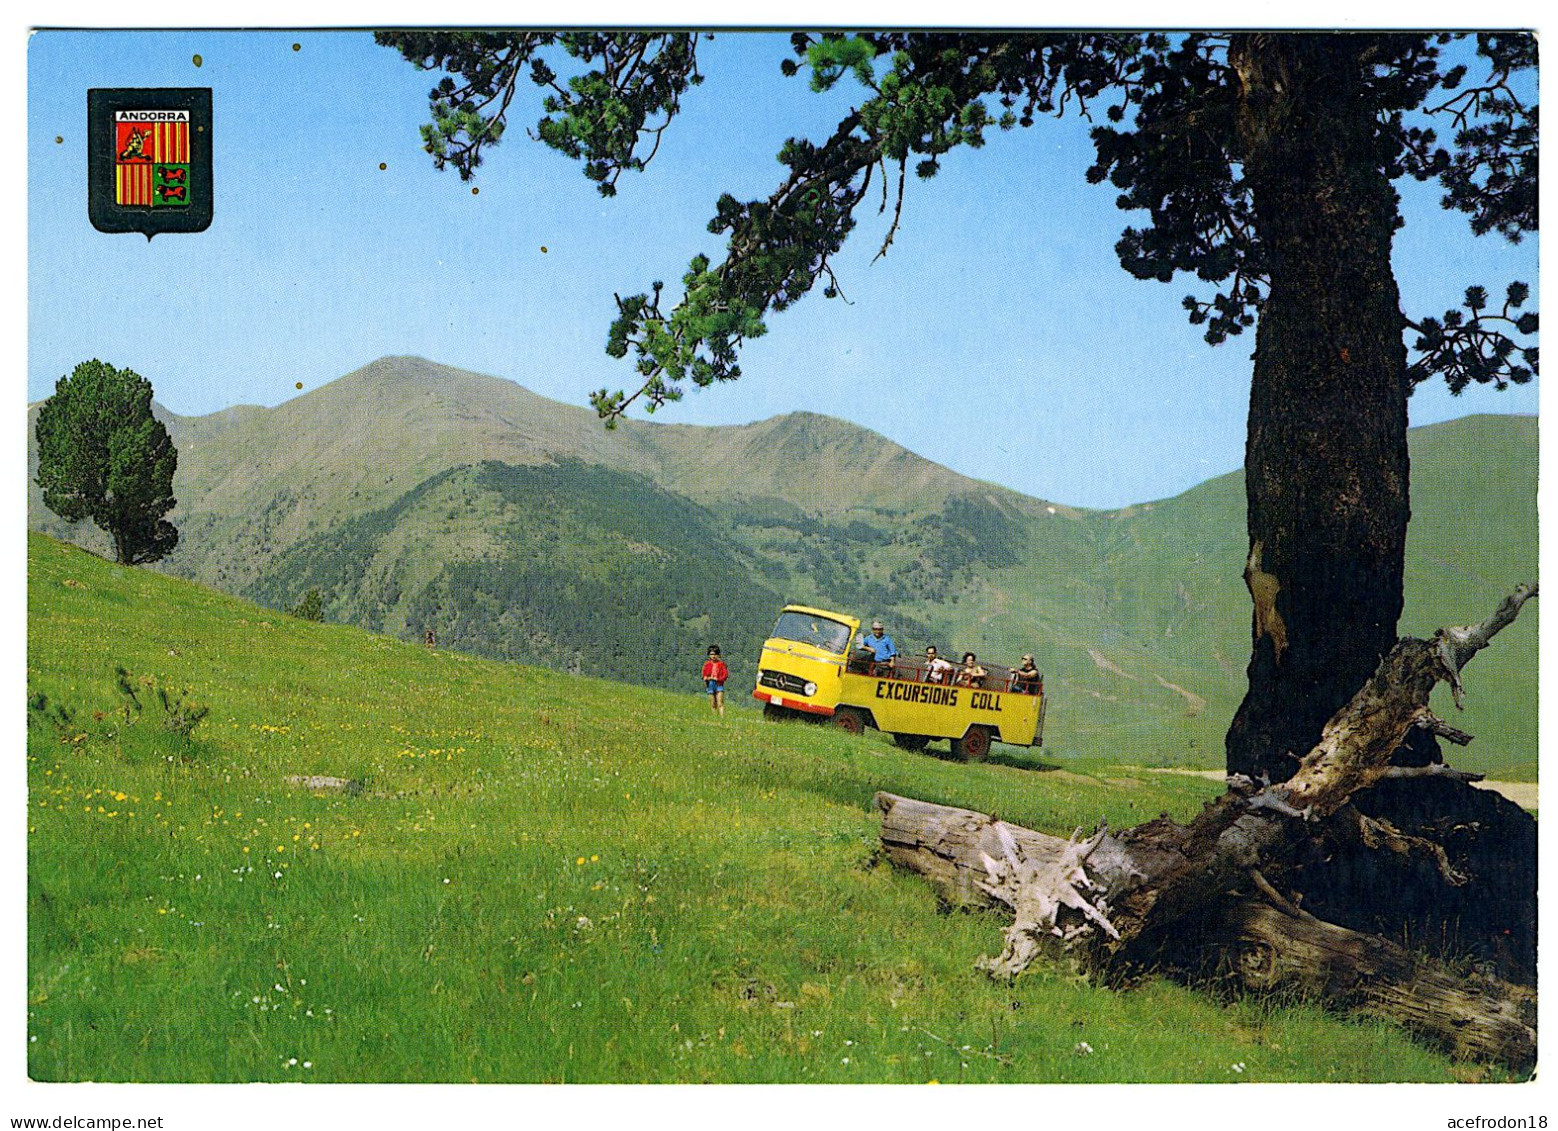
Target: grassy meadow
point(535, 877)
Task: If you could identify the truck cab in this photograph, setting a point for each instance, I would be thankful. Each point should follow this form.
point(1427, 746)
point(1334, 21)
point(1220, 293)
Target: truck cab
point(806, 670)
point(803, 661)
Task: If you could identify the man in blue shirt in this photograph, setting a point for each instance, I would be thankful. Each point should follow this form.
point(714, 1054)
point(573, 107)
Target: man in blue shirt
point(882, 649)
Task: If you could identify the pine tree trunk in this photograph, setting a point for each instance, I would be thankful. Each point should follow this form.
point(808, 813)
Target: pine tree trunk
point(1326, 466)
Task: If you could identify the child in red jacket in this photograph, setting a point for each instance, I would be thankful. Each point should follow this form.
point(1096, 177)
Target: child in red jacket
point(715, 673)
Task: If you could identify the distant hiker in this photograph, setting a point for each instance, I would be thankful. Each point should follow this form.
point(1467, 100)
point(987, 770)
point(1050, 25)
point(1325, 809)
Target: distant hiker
point(432, 641)
point(937, 670)
point(883, 651)
point(1026, 679)
point(971, 675)
point(715, 673)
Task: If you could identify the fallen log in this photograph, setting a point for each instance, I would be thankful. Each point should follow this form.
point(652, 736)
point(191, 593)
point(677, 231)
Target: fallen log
point(1470, 1017)
point(1262, 944)
point(1118, 901)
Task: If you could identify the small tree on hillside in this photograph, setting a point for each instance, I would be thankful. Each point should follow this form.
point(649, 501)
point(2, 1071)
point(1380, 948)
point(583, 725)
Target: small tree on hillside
point(310, 606)
point(103, 456)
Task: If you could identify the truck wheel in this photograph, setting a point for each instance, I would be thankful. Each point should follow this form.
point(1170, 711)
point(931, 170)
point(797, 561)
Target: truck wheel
point(850, 720)
point(974, 745)
point(910, 741)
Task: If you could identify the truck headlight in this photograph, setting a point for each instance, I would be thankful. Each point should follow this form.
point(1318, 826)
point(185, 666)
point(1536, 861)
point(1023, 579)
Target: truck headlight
point(810, 689)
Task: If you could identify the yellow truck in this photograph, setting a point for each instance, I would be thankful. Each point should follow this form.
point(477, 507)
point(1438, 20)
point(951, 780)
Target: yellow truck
point(810, 668)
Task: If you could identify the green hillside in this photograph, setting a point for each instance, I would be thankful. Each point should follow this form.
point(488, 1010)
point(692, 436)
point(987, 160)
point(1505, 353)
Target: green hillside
point(531, 877)
point(539, 564)
point(416, 497)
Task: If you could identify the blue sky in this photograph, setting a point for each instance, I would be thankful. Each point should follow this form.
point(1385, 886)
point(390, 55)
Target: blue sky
point(999, 335)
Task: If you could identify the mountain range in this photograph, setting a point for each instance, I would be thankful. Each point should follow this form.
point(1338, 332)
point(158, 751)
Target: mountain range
point(417, 497)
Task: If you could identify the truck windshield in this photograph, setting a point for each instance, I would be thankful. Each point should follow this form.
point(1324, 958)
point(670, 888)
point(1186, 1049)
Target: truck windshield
point(807, 628)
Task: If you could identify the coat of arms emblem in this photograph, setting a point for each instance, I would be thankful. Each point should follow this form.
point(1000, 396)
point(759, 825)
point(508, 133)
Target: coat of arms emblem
point(149, 160)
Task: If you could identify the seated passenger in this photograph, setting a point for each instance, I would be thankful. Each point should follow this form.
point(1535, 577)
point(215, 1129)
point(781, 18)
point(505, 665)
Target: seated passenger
point(883, 651)
point(971, 674)
point(937, 670)
point(1026, 679)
